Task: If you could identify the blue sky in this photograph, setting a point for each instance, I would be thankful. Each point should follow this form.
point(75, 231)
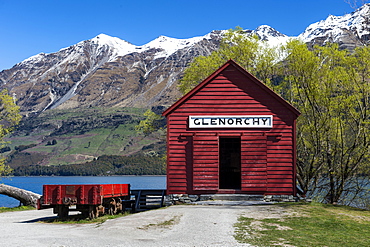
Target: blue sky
point(29, 27)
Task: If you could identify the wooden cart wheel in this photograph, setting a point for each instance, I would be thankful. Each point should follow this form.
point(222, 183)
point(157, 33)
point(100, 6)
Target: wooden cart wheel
point(119, 206)
point(112, 209)
point(93, 212)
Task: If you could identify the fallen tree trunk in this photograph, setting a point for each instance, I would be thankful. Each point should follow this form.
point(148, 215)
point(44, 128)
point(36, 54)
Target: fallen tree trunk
point(27, 198)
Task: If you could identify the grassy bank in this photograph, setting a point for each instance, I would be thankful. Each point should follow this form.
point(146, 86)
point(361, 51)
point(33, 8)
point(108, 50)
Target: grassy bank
point(307, 225)
point(21, 208)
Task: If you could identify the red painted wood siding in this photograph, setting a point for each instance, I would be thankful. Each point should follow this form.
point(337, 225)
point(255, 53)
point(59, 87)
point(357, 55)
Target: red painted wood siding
point(254, 163)
point(267, 154)
point(205, 161)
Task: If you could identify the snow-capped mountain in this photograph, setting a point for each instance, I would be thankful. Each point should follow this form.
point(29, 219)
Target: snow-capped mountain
point(105, 71)
point(108, 71)
point(349, 30)
point(271, 35)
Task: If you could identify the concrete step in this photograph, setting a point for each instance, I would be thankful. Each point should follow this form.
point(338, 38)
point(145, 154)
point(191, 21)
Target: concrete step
point(231, 197)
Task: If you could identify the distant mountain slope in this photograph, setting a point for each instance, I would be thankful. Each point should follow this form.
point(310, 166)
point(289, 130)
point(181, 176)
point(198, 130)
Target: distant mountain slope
point(348, 31)
point(107, 71)
point(82, 95)
point(104, 71)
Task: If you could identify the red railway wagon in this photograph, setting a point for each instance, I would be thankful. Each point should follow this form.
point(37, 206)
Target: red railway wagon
point(91, 200)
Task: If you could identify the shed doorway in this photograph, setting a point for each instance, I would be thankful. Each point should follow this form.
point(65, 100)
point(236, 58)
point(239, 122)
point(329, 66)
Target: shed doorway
point(230, 163)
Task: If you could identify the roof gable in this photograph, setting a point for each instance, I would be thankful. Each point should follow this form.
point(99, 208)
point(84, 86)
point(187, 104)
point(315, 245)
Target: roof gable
point(246, 77)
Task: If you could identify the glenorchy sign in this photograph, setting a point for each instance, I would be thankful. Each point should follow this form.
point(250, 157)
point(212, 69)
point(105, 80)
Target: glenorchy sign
point(255, 121)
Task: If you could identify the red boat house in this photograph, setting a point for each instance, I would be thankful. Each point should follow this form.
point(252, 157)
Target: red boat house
point(231, 134)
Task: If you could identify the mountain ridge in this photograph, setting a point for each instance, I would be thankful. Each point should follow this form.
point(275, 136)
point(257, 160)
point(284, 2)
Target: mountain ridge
point(349, 30)
point(108, 71)
point(89, 96)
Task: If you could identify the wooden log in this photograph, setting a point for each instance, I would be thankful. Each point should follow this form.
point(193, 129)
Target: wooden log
point(27, 198)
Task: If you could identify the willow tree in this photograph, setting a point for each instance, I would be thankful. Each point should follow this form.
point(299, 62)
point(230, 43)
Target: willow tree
point(331, 89)
point(248, 51)
point(9, 118)
point(151, 123)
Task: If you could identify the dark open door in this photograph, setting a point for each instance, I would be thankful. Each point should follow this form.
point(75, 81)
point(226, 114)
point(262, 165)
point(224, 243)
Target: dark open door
point(230, 163)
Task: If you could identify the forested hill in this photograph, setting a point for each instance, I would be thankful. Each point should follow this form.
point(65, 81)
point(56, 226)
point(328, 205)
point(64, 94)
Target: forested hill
point(106, 165)
point(56, 140)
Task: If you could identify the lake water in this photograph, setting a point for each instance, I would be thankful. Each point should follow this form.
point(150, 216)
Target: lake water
point(34, 184)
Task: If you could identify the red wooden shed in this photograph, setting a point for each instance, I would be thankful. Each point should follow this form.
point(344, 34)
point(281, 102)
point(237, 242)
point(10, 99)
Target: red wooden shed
point(231, 134)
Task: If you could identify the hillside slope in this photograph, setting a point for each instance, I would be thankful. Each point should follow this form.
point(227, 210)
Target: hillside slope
point(61, 137)
point(88, 97)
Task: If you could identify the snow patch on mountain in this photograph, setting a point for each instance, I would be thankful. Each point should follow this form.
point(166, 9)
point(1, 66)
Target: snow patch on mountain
point(33, 59)
point(120, 47)
point(330, 29)
point(271, 36)
point(166, 45)
point(265, 32)
point(170, 45)
point(333, 26)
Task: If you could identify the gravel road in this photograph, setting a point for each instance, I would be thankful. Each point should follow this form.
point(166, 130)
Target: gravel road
point(189, 225)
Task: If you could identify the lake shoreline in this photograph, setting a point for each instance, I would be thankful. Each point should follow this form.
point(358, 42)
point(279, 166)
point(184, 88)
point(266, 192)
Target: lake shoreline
point(35, 183)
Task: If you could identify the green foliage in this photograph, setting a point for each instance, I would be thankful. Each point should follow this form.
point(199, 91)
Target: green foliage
point(331, 89)
point(80, 135)
point(78, 121)
point(20, 208)
point(309, 226)
point(5, 149)
point(103, 165)
point(9, 118)
point(4, 169)
point(51, 143)
point(248, 51)
point(22, 159)
point(18, 158)
point(21, 148)
point(151, 123)
point(154, 123)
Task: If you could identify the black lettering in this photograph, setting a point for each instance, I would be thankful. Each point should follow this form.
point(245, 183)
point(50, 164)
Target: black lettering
point(213, 121)
point(264, 120)
point(246, 121)
point(230, 121)
point(196, 121)
point(238, 121)
point(203, 122)
point(221, 121)
point(256, 121)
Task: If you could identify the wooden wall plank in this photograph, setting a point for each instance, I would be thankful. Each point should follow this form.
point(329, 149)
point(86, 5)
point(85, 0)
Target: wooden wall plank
point(267, 154)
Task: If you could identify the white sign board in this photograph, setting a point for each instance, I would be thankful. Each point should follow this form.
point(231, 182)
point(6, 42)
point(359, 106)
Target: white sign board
point(255, 121)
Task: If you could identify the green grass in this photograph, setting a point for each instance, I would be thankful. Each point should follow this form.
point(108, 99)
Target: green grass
point(21, 208)
point(311, 225)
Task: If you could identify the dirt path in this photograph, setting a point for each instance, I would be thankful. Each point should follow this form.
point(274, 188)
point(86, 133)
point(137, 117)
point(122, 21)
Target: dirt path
point(181, 225)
